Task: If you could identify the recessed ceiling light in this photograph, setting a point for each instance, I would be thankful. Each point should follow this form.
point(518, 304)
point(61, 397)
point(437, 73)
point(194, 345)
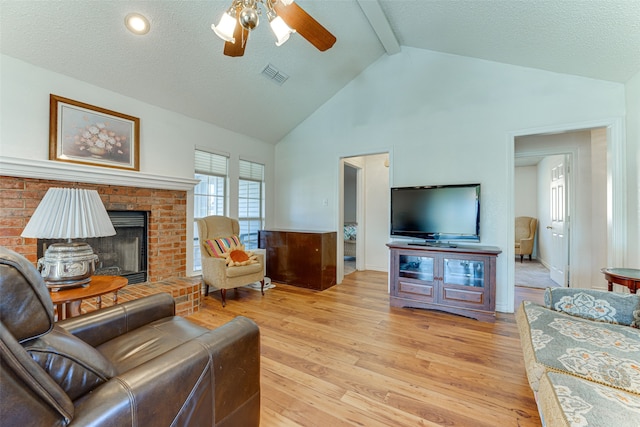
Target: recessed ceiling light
point(137, 23)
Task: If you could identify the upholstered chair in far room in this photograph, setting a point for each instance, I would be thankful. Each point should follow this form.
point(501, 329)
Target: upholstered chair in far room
point(216, 233)
point(132, 364)
point(525, 234)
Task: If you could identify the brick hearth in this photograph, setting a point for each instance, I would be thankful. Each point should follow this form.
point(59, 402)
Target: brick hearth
point(186, 292)
point(167, 250)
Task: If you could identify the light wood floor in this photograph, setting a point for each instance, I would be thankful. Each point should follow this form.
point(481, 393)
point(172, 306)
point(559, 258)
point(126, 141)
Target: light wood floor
point(343, 357)
point(528, 294)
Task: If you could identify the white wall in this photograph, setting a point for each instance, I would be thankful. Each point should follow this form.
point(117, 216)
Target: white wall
point(444, 119)
point(526, 196)
point(167, 139)
point(526, 185)
point(633, 170)
point(598, 207)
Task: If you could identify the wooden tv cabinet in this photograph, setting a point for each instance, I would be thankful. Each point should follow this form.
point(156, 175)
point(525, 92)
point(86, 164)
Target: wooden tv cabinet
point(459, 280)
point(301, 258)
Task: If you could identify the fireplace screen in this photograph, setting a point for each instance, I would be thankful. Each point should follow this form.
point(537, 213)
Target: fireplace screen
point(125, 253)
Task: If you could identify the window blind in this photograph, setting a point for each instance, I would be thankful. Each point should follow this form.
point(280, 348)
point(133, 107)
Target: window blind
point(211, 164)
point(251, 170)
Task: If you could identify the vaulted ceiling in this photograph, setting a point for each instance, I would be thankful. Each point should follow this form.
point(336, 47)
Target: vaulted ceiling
point(179, 64)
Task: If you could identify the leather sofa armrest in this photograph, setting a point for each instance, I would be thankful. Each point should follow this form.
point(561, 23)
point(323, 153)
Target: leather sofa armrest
point(103, 325)
point(211, 380)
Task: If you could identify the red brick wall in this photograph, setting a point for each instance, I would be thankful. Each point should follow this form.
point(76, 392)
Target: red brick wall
point(167, 249)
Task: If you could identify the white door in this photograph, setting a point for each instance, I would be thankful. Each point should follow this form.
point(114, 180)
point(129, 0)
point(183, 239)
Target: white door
point(559, 228)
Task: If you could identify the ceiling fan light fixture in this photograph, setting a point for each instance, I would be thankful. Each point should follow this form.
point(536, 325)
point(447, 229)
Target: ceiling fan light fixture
point(280, 29)
point(249, 17)
point(284, 16)
point(225, 27)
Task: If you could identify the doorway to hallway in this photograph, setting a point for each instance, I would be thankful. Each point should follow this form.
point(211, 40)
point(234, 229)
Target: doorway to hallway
point(363, 214)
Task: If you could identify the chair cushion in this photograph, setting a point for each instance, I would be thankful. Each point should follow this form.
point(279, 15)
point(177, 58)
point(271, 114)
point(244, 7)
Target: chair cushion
point(243, 270)
point(147, 342)
point(218, 247)
point(77, 367)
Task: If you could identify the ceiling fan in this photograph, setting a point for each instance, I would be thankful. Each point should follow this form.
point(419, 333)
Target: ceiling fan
point(285, 17)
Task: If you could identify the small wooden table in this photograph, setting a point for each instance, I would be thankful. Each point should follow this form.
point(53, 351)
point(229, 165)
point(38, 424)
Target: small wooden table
point(68, 301)
point(629, 277)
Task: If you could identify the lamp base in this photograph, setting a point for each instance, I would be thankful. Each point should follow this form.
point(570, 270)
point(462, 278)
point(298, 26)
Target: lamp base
point(67, 265)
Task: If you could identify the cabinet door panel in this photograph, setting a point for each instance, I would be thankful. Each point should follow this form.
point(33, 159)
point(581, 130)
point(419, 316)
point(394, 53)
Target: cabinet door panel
point(275, 245)
point(410, 289)
point(464, 272)
point(416, 267)
point(464, 296)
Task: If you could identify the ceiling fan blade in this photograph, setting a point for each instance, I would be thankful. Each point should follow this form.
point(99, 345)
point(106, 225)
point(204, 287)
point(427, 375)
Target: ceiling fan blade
point(305, 25)
point(240, 35)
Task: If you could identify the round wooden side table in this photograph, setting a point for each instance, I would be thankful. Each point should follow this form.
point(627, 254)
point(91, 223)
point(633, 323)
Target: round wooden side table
point(629, 277)
point(68, 301)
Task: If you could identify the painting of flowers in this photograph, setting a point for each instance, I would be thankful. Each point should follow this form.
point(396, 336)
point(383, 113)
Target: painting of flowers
point(83, 133)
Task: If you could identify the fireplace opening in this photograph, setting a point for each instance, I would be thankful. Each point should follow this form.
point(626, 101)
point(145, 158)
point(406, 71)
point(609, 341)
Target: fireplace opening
point(125, 253)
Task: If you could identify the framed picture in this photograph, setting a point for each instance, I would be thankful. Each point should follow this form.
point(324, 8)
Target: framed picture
point(83, 133)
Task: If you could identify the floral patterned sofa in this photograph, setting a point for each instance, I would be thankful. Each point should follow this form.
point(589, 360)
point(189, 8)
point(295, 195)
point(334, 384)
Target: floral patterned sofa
point(582, 356)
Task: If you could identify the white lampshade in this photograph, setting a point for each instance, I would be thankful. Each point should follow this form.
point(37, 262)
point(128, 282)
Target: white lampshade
point(225, 28)
point(281, 30)
point(69, 213)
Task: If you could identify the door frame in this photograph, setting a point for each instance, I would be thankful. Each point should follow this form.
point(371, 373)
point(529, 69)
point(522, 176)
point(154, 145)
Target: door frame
point(616, 193)
point(360, 218)
point(570, 201)
point(361, 209)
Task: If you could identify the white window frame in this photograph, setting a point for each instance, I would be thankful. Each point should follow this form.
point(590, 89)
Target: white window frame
point(210, 165)
point(251, 172)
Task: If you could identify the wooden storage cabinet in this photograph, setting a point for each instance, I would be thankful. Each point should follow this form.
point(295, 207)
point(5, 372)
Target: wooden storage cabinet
point(458, 280)
point(302, 258)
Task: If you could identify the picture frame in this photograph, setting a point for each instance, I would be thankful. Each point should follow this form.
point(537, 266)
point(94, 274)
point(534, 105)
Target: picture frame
point(90, 135)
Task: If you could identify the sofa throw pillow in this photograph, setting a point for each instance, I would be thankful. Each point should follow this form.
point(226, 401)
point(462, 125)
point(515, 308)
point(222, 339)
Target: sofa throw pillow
point(218, 247)
point(595, 304)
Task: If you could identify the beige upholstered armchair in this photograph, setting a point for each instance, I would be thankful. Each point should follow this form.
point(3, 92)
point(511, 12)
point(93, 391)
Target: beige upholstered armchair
point(525, 233)
point(215, 271)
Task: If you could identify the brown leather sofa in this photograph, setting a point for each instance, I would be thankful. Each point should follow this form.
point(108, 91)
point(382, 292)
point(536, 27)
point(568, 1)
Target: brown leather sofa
point(133, 364)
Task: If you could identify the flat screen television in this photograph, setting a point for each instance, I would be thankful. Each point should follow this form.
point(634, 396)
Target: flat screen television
point(436, 214)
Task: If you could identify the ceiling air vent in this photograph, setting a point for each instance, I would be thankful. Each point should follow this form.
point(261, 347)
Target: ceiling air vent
point(273, 74)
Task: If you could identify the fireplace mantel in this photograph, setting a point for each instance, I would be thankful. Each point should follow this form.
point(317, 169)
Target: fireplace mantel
point(61, 171)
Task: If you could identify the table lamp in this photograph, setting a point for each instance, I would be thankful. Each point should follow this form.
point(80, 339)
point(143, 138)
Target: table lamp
point(69, 213)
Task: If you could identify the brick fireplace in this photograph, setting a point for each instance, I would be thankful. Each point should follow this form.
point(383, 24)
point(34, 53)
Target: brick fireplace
point(167, 227)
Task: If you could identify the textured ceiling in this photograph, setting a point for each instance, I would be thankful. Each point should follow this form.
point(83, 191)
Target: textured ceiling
point(179, 65)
